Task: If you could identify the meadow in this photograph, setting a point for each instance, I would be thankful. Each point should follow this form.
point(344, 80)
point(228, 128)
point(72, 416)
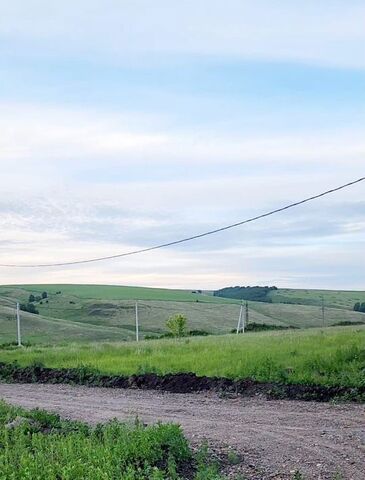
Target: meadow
point(39, 445)
point(334, 357)
point(88, 313)
point(344, 299)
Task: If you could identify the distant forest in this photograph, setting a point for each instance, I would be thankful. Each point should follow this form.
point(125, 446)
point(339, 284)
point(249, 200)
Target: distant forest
point(257, 294)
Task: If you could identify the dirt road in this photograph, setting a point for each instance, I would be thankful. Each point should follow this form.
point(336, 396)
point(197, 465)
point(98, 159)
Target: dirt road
point(273, 439)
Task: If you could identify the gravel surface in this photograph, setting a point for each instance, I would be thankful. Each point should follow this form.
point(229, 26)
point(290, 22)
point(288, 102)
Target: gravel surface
point(270, 439)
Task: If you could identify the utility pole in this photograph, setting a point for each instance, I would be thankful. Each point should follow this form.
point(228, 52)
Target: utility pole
point(18, 325)
point(137, 324)
point(246, 316)
point(239, 324)
point(322, 311)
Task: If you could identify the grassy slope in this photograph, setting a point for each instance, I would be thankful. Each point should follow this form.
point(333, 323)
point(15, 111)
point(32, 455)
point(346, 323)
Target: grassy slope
point(41, 329)
point(111, 292)
point(333, 356)
point(92, 313)
point(332, 298)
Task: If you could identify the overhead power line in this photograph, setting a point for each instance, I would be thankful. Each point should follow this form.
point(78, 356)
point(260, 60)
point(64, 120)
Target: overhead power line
point(187, 239)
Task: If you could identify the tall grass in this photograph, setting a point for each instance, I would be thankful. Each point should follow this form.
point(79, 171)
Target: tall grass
point(328, 357)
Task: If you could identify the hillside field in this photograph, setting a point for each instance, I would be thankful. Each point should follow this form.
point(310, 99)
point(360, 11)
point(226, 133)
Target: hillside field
point(332, 298)
point(107, 313)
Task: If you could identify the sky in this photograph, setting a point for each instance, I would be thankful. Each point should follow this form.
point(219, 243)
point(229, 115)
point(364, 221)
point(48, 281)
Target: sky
point(124, 124)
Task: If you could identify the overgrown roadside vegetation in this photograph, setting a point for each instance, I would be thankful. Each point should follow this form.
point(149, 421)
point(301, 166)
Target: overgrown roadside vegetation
point(329, 357)
point(39, 445)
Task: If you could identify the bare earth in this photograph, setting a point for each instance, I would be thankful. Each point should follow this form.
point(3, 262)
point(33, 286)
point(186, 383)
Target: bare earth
point(272, 439)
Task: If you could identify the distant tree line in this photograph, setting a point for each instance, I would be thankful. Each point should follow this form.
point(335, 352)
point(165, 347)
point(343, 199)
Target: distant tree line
point(30, 307)
point(256, 293)
point(359, 307)
point(37, 298)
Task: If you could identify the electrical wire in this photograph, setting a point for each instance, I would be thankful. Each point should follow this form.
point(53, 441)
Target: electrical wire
point(187, 239)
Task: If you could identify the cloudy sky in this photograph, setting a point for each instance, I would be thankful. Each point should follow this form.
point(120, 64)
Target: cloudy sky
point(126, 123)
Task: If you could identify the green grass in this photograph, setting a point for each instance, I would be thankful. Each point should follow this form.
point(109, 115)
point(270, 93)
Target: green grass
point(42, 446)
point(328, 357)
point(110, 292)
point(332, 298)
point(87, 313)
point(45, 330)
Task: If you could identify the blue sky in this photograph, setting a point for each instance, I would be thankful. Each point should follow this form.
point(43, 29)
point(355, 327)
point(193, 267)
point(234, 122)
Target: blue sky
point(126, 123)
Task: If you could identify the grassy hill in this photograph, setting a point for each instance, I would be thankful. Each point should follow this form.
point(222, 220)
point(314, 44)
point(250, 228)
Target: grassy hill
point(107, 313)
point(109, 292)
point(332, 298)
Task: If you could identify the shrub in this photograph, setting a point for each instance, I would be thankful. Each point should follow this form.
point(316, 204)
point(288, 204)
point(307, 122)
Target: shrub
point(41, 445)
point(29, 307)
point(177, 325)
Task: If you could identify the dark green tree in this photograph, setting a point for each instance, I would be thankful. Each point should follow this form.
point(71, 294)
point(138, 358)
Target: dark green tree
point(362, 307)
point(44, 295)
point(29, 307)
point(357, 307)
point(31, 298)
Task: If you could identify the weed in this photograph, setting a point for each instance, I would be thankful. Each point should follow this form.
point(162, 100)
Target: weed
point(233, 457)
point(49, 448)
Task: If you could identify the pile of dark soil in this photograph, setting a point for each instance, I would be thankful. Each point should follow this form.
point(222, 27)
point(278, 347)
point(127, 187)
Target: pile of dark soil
point(178, 383)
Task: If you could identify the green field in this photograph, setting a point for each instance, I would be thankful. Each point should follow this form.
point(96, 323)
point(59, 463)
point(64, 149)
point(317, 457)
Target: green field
point(333, 356)
point(107, 313)
point(332, 298)
point(108, 292)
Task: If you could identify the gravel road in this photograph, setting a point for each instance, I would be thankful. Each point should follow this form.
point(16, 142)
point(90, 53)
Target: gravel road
point(272, 439)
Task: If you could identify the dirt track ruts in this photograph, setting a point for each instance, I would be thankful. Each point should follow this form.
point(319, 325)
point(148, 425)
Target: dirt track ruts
point(272, 438)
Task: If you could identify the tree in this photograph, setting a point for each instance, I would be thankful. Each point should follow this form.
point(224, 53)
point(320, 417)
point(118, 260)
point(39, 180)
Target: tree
point(357, 307)
point(28, 308)
point(31, 298)
point(177, 325)
point(44, 295)
point(362, 307)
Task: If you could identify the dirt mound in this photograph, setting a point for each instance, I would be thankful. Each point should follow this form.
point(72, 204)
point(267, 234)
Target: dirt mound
point(178, 383)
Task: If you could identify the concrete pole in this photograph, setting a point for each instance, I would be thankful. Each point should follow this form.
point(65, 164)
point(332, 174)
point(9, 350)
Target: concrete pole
point(19, 338)
point(137, 323)
point(240, 319)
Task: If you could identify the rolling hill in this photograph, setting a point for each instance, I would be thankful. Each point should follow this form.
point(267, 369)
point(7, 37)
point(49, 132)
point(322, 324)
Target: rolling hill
point(107, 313)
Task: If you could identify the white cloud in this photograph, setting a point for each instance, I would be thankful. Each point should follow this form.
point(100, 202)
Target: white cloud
point(36, 135)
point(328, 32)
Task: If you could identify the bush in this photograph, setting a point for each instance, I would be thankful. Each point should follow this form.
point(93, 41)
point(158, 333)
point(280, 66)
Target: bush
point(29, 307)
point(177, 325)
point(41, 445)
point(259, 327)
point(359, 307)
